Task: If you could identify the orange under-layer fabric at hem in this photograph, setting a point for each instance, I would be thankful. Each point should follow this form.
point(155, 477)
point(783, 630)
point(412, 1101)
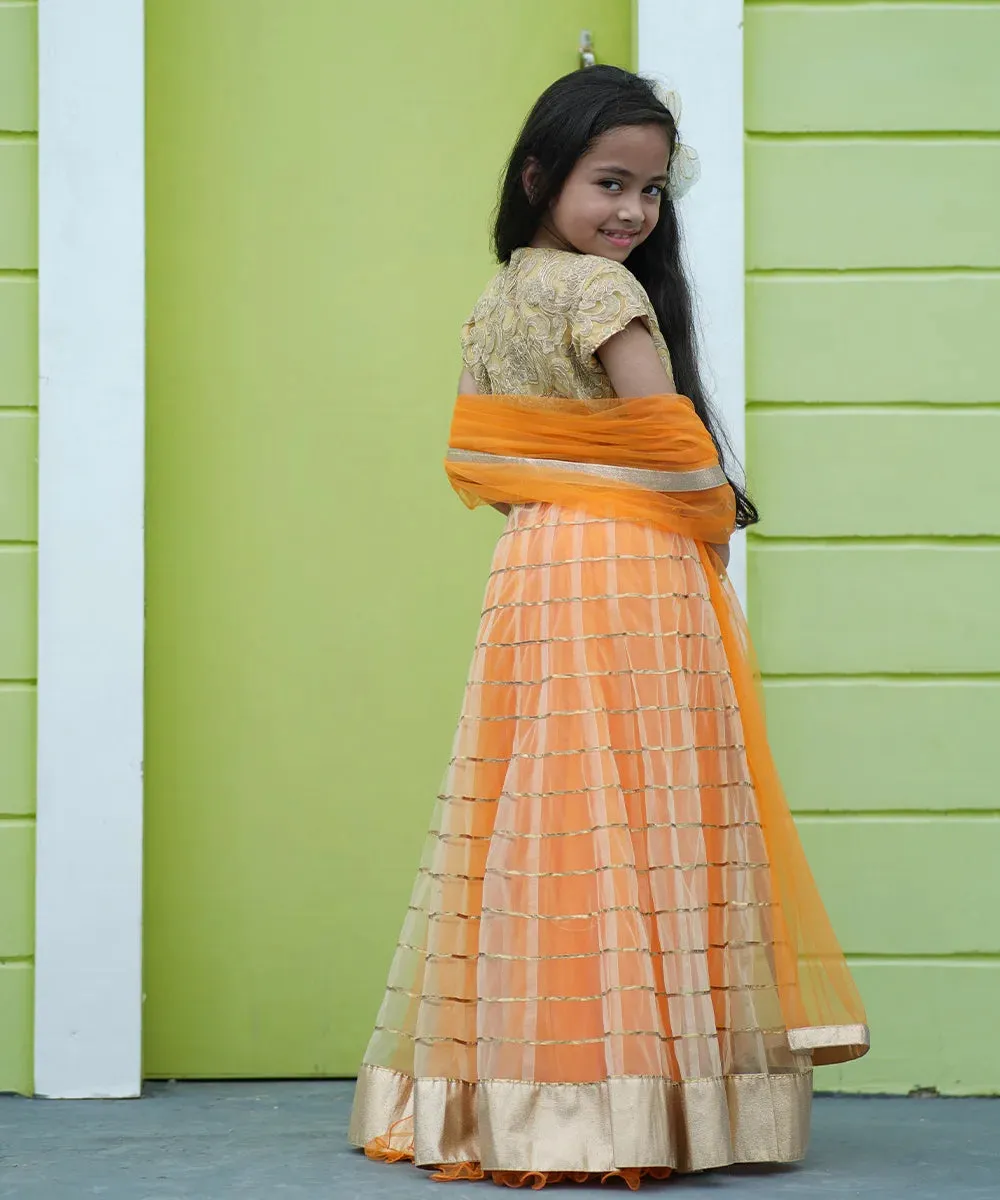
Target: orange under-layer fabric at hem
point(613, 891)
point(396, 1145)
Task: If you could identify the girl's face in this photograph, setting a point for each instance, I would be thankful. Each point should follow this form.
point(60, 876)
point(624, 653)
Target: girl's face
point(610, 201)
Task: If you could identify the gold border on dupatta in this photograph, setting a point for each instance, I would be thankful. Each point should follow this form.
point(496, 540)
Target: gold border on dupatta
point(830, 1043)
point(700, 480)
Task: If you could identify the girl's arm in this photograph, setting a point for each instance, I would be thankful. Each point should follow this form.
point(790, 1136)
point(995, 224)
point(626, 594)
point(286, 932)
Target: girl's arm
point(632, 363)
point(634, 368)
point(467, 387)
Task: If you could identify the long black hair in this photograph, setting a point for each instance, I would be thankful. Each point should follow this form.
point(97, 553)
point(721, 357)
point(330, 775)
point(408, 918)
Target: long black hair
point(562, 126)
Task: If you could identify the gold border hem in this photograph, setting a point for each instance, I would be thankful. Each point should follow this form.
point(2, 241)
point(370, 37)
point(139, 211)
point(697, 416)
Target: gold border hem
point(626, 1121)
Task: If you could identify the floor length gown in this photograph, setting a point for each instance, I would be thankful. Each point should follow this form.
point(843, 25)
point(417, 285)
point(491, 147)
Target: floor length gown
point(584, 984)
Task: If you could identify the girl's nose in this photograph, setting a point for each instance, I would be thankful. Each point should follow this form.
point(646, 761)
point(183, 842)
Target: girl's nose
point(630, 213)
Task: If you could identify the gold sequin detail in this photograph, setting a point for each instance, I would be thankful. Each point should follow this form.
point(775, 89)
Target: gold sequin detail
point(596, 558)
point(594, 675)
point(504, 874)
point(588, 599)
point(611, 1033)
point(610, 712)
point(624, 791)
point(680, 993)
point(644, 750)
point(591, 637)
point(635, 791)
point(600, 952)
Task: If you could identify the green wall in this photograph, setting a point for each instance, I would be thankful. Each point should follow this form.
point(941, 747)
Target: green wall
point(873, 248)
point(18, 533)
point(319, 191)
point(313, 587)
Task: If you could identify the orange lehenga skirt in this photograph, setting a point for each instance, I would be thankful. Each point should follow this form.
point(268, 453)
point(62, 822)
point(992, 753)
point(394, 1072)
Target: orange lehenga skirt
point(614, 962)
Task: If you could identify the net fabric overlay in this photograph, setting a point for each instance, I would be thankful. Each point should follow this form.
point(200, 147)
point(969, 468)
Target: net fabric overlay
point(586, 980)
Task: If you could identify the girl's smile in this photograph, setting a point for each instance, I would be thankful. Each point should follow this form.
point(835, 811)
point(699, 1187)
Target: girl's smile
point(620, 238)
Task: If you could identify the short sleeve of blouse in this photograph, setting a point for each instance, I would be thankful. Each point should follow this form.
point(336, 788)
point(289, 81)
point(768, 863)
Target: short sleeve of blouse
point(610, 298)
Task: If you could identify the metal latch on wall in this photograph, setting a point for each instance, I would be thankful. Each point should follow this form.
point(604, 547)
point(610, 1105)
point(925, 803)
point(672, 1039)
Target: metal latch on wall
point(587, 58)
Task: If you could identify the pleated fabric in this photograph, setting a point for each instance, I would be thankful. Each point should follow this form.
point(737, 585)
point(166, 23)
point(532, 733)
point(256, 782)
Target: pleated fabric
point(586, 983)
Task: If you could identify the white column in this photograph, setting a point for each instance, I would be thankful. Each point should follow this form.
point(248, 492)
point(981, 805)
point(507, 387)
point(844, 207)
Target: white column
point(88, 977)
point(697, 47)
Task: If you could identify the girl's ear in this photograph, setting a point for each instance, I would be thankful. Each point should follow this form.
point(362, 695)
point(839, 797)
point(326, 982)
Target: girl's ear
point(530, 178)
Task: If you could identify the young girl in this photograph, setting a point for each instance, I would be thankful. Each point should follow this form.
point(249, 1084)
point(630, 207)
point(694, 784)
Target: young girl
point(615, 962)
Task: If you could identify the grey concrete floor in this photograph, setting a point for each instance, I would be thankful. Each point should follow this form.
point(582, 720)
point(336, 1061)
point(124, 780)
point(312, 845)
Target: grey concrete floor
point(287, 1141)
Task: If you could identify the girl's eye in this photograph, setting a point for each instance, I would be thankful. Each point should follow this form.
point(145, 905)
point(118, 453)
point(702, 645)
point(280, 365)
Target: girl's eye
point(657, 188)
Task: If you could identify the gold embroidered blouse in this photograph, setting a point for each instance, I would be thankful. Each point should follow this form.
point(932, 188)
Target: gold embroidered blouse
point(535, 329)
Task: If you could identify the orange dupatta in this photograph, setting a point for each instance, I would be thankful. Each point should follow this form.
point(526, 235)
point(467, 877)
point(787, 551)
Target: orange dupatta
point(651, 459)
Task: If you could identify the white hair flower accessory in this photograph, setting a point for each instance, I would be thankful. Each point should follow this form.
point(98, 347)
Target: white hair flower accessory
point(685, 166)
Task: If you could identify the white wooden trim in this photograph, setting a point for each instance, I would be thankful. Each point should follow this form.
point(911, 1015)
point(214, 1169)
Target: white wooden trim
point(88, 974)
point(697, 47)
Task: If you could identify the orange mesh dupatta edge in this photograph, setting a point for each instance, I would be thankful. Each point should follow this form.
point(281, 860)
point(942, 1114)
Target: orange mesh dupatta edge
point(654, 433)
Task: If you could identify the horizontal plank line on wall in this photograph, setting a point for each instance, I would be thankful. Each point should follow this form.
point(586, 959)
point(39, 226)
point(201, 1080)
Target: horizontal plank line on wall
point(797, 274)
point(17, 135)
point(959, 958)
point(16, 961)
point(916, 678)
point(916, 541)
point(871, 135)
point(8, 821)
point(7, 545)
point(18, 273)
point(10, 684)
point(833, 5)
point(909, 816)
point(7, 410)
point(820, 407)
